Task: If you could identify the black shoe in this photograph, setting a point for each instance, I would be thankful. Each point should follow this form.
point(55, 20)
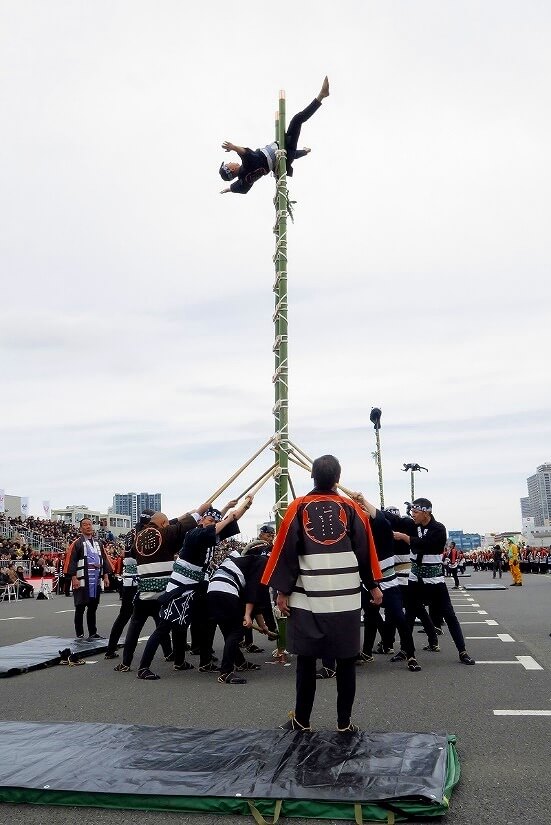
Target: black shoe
point(64, 656)
point(399, 657)
point(147, 675)
point(80, 638)
point(466, 659)
point(293, 724)
point(432, 648)
point(350, 728)
point(231, 679)
point(253, 649)
point(364, 658)
point(93, 636)
point(413, 665)
point(110, 655)
point(247, 666)
point(384, 650)
point(210, 667)
point(439, 631)
point(184, 666)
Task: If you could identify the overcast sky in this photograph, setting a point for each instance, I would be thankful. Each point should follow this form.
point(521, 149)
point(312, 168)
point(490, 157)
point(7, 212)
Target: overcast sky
point(136, 310)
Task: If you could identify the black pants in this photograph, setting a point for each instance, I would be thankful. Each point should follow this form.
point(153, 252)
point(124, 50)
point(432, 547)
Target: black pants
point(394, 618)
point(453, 571)
point(438, 599)
point(421, 614)
point(292, 134)
point(498, 567)
point(373, 622)
point(125, 613)
point(143, 610)
point(25, 590)
point(202, 626)
point(306, 689)
point(161, 636)
point(91, 609)
point(227, 612)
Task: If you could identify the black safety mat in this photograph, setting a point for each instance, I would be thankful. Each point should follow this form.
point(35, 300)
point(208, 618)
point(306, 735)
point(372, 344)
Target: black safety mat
point(267, 764)
point(42, 652)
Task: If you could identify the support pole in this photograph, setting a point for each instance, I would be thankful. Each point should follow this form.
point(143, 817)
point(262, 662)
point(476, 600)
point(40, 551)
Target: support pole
point(375, 418)
point(281, 385)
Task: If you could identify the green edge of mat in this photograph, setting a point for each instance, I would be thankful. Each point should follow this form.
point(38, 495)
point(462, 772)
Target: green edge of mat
point(307, 809)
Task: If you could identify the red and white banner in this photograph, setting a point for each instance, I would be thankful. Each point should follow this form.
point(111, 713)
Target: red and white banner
point(47, 510)
point(24, 506)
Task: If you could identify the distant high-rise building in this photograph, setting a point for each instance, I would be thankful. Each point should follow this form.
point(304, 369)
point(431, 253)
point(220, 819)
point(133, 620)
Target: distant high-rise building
point(133, 504)
point(465, 541)
point(525, 511)
point(539, 495)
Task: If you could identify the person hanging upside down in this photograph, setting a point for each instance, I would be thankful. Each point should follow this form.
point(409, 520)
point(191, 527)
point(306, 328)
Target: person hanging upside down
point(255, 165)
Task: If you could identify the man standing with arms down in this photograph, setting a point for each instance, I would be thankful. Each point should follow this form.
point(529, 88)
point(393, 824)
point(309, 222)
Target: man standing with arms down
point(426, 539)
point(88, 565)
point(324, 550)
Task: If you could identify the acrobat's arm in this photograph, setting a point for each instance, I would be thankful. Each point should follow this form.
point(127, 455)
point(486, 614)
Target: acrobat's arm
point(231, 147)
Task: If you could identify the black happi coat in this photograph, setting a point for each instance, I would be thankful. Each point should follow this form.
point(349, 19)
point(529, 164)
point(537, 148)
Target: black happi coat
point(324, 550)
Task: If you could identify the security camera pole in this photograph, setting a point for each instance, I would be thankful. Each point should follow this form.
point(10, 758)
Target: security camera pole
point(375, 418)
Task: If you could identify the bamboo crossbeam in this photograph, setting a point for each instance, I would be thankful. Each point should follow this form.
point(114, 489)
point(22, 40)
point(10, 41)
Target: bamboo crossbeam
point(254, 490)
point(238, 472)
point(250, 487)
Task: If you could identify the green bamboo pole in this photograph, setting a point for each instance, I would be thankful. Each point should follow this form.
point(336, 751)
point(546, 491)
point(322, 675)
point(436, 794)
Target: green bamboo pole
point(281, 407)
point(380, 468)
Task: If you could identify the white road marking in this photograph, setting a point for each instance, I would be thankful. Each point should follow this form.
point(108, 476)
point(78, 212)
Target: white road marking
point(491, 622)
point(527, 662)
point(17, 618)
point(472, 612)
point(503, 636)
point(522, 712)
point(72, 610)
point(143, 638)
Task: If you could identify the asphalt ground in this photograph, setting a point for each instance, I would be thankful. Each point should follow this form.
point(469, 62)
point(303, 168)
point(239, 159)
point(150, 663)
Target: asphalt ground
point(506, 769)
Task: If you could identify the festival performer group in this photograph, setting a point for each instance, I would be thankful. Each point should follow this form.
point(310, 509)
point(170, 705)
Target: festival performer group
point(334, 556)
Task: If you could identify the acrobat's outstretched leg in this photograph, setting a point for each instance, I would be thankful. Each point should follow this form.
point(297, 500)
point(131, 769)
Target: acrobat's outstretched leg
point(293, 132)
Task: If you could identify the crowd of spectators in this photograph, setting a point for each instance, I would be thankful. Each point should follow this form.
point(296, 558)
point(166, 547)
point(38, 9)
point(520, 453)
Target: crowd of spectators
point(531, 559)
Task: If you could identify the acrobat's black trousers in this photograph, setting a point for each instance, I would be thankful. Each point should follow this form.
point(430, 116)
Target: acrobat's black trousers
point(306, 689)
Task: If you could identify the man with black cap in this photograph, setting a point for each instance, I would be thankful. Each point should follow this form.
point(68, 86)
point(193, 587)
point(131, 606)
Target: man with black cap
point(426, 539)
point(255, 165)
